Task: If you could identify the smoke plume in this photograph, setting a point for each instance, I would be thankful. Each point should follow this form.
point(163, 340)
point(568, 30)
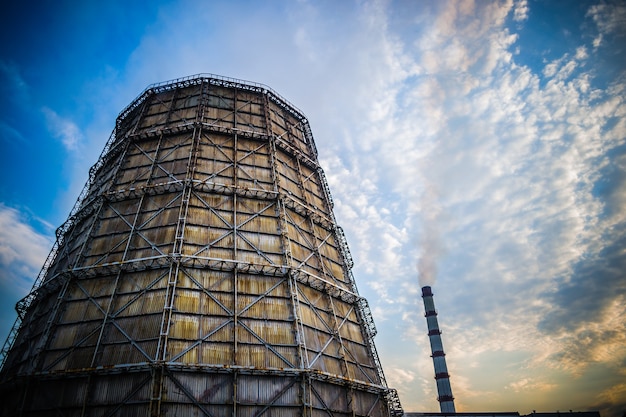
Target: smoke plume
point(430, 247)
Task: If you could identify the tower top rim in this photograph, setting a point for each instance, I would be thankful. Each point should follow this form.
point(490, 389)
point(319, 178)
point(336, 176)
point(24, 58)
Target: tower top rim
point(213, 79)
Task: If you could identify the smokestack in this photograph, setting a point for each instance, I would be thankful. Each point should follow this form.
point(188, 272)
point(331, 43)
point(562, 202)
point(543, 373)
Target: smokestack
point(444, 391)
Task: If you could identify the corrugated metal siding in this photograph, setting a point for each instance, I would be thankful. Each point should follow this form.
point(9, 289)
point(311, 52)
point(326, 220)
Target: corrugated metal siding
point(112, 389)
point(218, 353)
point(331, 396)
point(256, 285)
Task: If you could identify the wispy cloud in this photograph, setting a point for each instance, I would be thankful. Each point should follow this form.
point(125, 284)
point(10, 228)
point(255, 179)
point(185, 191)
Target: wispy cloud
point(610, 17)
point(15, 92)
point(63, 129)
point(520, 11)
point(612, 399)
point(9, 134)
point(528, 384)
point(22, 251)
point(12, 82)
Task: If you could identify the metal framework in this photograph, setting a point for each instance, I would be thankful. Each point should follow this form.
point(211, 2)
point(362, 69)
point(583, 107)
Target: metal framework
point(201, 272)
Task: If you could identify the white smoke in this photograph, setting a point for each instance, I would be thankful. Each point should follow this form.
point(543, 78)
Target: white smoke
point(430, 245)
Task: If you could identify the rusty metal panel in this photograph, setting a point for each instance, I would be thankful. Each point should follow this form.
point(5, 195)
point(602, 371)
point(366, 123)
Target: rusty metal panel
point(260, 242)
point(184, 327)
point(134, 304)
point(153, 121)
point(250, 122)
point(262, 390)
point(214, 281)
point(95, 309)
point(221, 96)
point(65, 337)
point(269, 331)
point(315, 341)
point(217, 388)
point(216, 328)
point(215, 202)
point(330, 395)
point(335, 271)
point(351, 331)
point(359, 352)
point(244, 98)
point(251, 256)
point(218, 353)
point(195, 235)
point(112, 354)
point(215, 171)
point(367, 402)
point(94, 287)
point(186, 102)
point(262, 224)
point(159, 107)
point(220, 100)
point(196, 214)
point(252, 207)
point(80, 357)
point(259, 356)
point(164, 217)
point(291, 187)
point(225, 118)
point(216, 144)
point(255, 286)
point(113, 389)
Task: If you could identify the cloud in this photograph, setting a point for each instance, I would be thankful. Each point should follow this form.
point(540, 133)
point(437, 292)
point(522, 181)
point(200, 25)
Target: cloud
point(10, 134)
point(397, 377)
point(63, 129)
point(14, 92)
point(612, 399)
point(520, 12)
point(587, 323)
point(12, 83)
point(22, 251)
point(610, 18)
point(528, 384)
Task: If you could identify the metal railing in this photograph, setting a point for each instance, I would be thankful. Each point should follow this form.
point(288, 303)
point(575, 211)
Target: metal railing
point(215, 80)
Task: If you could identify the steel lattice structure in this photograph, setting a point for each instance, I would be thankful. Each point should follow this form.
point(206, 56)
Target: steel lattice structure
point(201, 272)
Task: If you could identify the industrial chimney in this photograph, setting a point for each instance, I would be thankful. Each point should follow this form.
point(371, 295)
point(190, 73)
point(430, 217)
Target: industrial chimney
point(444, 391)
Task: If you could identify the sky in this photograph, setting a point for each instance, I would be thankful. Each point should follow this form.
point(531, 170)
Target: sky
point(475, 146)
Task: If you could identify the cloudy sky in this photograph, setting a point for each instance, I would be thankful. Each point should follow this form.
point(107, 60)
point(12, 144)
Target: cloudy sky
point(478, 147)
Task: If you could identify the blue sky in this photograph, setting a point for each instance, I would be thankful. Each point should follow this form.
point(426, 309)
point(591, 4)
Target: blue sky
point(479, 147)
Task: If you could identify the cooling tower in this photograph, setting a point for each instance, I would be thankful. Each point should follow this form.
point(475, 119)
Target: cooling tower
point(444, 390)
point(200, 273)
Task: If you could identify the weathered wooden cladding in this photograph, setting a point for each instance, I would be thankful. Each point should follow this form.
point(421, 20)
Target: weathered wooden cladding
point(202, 272)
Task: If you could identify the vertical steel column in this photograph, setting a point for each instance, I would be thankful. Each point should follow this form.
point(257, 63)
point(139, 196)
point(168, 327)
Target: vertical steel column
point(281, 214)
point(316, 245)
point(116, 284)
point(344, 361)
point(174, 271)
point(65, 278)
point(236, 269)
point(310, 222)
